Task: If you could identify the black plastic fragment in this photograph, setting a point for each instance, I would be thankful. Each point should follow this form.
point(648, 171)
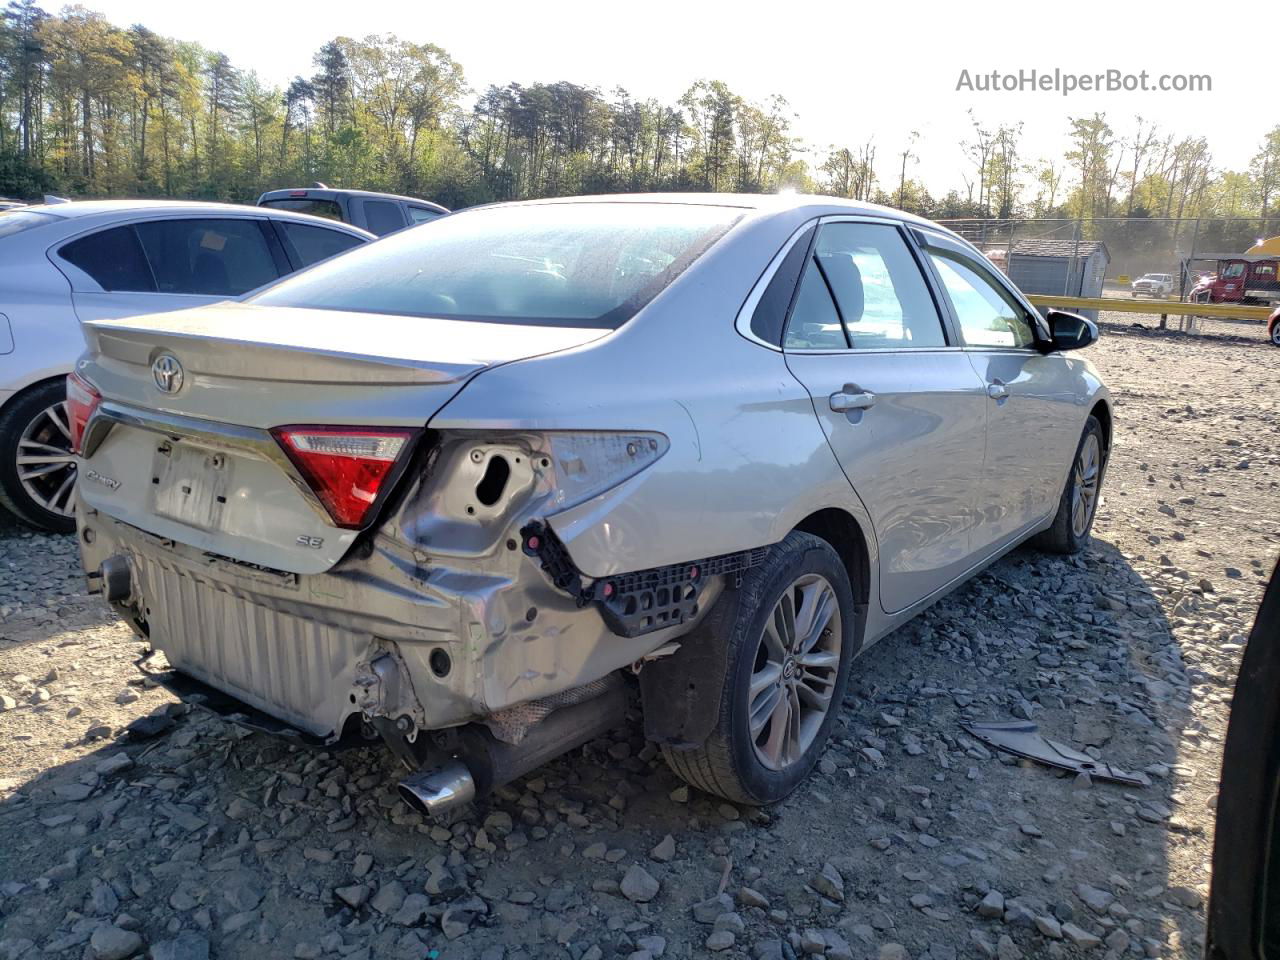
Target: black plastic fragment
point(637, 603)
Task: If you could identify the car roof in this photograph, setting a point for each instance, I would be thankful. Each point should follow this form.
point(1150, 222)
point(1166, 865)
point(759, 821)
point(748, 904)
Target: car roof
point(76, 209)
point(765, 203)
point(328, 193)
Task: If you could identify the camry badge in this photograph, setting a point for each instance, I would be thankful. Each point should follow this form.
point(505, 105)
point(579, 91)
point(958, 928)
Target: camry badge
point(166, 371)
point(111, 483)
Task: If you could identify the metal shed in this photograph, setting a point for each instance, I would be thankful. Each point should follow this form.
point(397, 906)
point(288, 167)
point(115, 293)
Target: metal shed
point(1068, 267)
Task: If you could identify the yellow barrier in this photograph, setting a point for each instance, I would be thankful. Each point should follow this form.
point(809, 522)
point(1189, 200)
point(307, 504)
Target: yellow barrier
point(1229, 311)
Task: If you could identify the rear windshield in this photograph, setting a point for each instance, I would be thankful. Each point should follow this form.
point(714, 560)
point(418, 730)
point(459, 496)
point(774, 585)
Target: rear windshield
point(560, 264)
point(16, 221)
point(317, 208)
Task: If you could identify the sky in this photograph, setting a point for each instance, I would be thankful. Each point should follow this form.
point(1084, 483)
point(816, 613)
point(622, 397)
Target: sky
point(851, 71)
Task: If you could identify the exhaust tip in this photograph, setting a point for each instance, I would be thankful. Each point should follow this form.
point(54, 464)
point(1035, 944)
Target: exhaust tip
point(439, 789)
point(117, 579)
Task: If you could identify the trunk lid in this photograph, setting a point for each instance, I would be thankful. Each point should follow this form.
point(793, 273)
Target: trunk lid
point(197, 464)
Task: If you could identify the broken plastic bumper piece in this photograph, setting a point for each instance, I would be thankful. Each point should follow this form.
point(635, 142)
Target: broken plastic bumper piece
point(633, 604)
point(1024, 739)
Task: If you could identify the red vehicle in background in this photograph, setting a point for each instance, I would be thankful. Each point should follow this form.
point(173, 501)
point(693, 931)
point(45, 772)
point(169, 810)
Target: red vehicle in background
point(1244, 279)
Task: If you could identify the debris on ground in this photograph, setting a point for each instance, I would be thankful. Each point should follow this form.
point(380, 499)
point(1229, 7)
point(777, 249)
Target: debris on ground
point(1024, 739)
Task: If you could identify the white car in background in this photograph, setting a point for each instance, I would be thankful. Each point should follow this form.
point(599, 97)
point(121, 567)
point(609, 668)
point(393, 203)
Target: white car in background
point(1153, 285)
point(65, 263)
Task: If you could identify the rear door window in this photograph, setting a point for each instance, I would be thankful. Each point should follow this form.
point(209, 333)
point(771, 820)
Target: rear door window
point(113, 259)
point(308, 244)
point(882, 295)
point(329, 209)
point(422, 214)
point(382, 216)
point(814, 324)
point(207, 257)
point(862, 289)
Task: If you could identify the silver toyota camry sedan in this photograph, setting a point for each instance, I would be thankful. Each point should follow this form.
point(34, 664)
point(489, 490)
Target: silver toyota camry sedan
point(467, 489)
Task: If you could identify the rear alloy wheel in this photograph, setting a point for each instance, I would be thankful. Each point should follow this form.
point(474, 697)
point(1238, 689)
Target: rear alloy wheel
point(1079, 502)
point(790, 641)
point(795, 669)
point(37, 467)
point(1275, 335)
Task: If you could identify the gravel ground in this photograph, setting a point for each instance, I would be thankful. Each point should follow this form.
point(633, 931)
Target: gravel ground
point(193, 839)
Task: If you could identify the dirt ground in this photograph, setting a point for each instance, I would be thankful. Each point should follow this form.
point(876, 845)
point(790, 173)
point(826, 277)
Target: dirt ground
point(193, 839)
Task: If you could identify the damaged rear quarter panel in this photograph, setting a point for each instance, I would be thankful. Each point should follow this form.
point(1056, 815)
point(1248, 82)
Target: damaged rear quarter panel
point(517, 637)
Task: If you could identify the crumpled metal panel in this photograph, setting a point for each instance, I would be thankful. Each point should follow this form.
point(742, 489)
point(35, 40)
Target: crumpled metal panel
point(293, 668)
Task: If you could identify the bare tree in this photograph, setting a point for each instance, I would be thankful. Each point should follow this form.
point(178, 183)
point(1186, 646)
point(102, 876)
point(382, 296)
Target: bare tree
point(906, 155)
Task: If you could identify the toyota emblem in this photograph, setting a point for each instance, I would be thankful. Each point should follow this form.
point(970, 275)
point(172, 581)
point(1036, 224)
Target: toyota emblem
point(166, 371)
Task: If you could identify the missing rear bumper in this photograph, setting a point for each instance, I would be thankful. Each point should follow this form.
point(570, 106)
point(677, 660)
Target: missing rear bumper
point(199, 694)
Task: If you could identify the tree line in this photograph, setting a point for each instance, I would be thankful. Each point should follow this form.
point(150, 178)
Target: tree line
point(88, 108)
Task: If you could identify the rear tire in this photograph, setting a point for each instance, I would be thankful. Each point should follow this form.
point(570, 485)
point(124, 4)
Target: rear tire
point(790, 644)
point(1079, 502)
point(41, 491)
point(1275, 335)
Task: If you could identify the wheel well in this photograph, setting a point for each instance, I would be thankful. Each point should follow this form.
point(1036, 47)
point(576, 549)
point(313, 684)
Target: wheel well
point(19, 394)
point(840, 530)
point(1103, 413)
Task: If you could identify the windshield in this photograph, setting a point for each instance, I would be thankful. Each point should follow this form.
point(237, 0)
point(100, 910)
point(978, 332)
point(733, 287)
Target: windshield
point(16, 221)
point(558, 264)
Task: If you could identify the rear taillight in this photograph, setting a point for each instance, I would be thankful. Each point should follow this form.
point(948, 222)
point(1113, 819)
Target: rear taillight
point(346, 467)
point(82, 400)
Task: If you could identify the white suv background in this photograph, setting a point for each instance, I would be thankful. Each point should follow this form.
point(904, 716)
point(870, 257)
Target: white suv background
point(1153, 285)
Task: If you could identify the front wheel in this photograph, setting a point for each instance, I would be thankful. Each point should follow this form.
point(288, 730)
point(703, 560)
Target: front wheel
point(1079, 502)
point(1275, 335)
point(37, 467)
point(791, 640)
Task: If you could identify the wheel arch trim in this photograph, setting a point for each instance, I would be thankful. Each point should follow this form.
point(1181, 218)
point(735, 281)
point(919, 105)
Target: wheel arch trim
point(41, 379)
point(845, 534)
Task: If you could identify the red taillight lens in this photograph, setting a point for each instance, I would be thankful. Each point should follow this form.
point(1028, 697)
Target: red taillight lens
point(345, 466)
point(82, 400)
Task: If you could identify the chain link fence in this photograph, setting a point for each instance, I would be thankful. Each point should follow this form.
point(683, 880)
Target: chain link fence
point(1127, 257)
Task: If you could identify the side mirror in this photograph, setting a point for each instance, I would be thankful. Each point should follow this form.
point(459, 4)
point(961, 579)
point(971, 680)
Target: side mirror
point(1070, 331)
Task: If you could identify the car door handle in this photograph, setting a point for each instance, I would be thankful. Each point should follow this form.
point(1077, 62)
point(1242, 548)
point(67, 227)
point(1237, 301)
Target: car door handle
point(843, 402)
point(997, 390)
